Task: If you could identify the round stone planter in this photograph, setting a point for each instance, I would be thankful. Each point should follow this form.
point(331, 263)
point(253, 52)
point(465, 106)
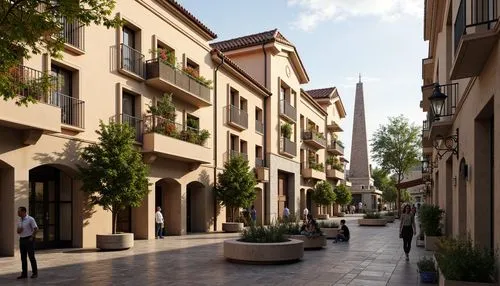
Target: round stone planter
point(314, 242)
point(232, 226)
point(389, 218)
point(323, 216)
point(341, 214)
point(119, 241)
point(329, 233)
point(372, 221)
point(263, 253)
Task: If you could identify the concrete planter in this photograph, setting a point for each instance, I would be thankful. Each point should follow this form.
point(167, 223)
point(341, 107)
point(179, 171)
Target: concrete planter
point(323, 216)
point(341, 214)
point(315, 242)
point(431, 242)
point(389, 218)
point(232, 226)
point(263, 253)
point(329, 232)
point(445, 282)
point(372, 221)
point(120, 241)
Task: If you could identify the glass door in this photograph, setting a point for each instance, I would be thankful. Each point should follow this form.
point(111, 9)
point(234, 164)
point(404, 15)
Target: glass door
point(43, 210)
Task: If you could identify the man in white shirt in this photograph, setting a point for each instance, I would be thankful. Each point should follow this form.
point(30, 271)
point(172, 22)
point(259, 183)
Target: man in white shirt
point(286, 213)
point(306, 212)
point(159, 223)
point(27, 228)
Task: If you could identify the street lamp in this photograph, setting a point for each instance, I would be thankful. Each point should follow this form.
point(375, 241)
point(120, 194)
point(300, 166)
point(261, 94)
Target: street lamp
point(437, 100)
point(425, 165)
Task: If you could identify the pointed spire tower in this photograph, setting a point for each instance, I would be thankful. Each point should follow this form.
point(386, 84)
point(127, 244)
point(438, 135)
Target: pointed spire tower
point(360, 173)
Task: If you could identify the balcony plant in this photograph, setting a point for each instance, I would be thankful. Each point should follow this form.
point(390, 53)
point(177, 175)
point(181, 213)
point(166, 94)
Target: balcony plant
point(286, 130)
point(114, 177)
point(195, 74)
point(235, 189)
point(427, 270)
point(462, 260)
point(430, 217)
point(166, 56)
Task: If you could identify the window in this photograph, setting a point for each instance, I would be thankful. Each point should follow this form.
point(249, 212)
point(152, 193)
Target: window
point(131, 55)
point(258, 114)
point(243, 146)
point(63, 80)
point(128, 104)
point(129, 37)
point(234, 97)
point(258, 152)
point(243, 104)
point(192, 68)
point(166, 54)
point(193, 122)
point(63, 96)
point(234, 143)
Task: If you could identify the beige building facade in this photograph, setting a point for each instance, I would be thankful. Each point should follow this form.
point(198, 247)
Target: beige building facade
point(228, 102)
point(460, 140)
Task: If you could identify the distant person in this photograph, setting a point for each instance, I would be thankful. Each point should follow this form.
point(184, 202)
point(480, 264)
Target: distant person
point(286, 213)
point(407, 229)
point(159, 222)
point(360, 207)
point(343, 233)
point(253, 214)
point(27, 228)
point(305, 213)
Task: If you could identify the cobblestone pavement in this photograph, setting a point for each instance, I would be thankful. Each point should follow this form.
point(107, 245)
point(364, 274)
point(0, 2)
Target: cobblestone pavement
point(374, 256)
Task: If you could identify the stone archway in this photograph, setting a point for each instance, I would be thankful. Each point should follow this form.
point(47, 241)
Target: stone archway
point(168, 196)
point(259, 205)
point(462, 199)
point(7, 211)
point(195, 207)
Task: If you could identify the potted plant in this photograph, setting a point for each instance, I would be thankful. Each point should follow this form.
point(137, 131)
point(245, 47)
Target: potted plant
point(461, 262)
point(313, 239)
point(427, 270)
point(372, 219)
point(115, 177)
point(343, 196)
point(235, 189)
point(430, 218)
point(286, 130)
point(323, 195)
point(329, 228)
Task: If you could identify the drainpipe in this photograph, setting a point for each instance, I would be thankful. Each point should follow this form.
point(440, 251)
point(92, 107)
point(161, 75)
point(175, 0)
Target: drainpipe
point(265, 133)
point(215, 140)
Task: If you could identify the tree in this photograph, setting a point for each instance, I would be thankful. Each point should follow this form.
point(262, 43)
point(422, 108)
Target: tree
point(405, 196)
point(114, 175)
point(34, 27)
point(343, 195)
point(396, 148)
point(236, 185)
point(323, 193)
point(390, 192)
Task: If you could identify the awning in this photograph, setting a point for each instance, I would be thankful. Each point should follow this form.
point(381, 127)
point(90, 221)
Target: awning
point(409, 184)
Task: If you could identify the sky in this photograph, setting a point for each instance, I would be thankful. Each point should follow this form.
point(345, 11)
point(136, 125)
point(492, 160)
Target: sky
point(338, 39)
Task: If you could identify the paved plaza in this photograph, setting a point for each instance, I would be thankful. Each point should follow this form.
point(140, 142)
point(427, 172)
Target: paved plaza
point(374, 256)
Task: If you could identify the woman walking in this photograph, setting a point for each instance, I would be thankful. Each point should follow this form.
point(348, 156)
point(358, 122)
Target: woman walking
point(407, 229)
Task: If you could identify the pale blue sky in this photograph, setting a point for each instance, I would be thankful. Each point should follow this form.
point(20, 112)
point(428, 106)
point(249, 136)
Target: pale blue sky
point(381, 39)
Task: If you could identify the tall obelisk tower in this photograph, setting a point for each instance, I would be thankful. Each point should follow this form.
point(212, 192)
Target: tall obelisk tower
point(359, 171)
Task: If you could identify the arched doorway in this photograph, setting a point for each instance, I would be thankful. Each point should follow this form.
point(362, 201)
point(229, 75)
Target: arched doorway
point(51, 204)
point(195, 207)
point(168, 197)
point(462, 199)
point(7, 211)
point(259, 206)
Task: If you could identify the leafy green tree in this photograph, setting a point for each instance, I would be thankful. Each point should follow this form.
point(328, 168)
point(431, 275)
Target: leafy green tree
point(405, 196)
point(390, 193)
point(35, 27)
point(343, 195)
point(323, 194)
point(114, 175)
point(396, 148)
point(236, 185)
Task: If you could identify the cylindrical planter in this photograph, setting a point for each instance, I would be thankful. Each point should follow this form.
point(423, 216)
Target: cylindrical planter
point(372, 221)
point(312, 242)
point(119, 241)
point(341, 214)
point(428, 277)
point(232, 226)
point(263, 253)
point(329, 232)
point(323, 216)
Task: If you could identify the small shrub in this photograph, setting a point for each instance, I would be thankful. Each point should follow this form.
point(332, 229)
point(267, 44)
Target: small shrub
point(430, 217)
point(390, 213)
point(291, 228)
point(372, 215)
point(328, 224)
point(426, 264)
point(462, 260)
point(286, 130)
point(261, 234)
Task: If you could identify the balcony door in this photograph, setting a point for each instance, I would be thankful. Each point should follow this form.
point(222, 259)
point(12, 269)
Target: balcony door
point(128, 54)
point(63, 94)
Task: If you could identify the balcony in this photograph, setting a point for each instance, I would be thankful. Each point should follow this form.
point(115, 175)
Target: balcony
point(428, 70)
point(287, 111)
point(261, 170)
point(313, 170)
point(476, 33)
point(72, 110)
point(335, 174)
point(336, 148)
point(37, 116)
point(288, 148)
point(259, 126)
point(314, 139)
point(234, 153)
point(132, 121)
point(73, 34)
point(237, 118)
point(131, 62)
point(172, 140)
point(167, 78)
point(334, 126)
point(441, 125)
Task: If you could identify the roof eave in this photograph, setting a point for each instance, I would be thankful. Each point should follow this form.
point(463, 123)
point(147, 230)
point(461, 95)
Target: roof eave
point(313, 102)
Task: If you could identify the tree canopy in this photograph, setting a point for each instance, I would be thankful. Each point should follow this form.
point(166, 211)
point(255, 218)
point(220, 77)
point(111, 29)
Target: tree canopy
point(34, 27)
point(236, 185)
point(396, 147)
point(343, 194)
point(323, 193)
point(113, 173)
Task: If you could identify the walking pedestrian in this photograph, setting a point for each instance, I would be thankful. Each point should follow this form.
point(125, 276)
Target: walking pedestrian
point(407, 229)
point(253, 215)
point(159, 223)
point(27, 229)
point(286, 213)
point(305, 213)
